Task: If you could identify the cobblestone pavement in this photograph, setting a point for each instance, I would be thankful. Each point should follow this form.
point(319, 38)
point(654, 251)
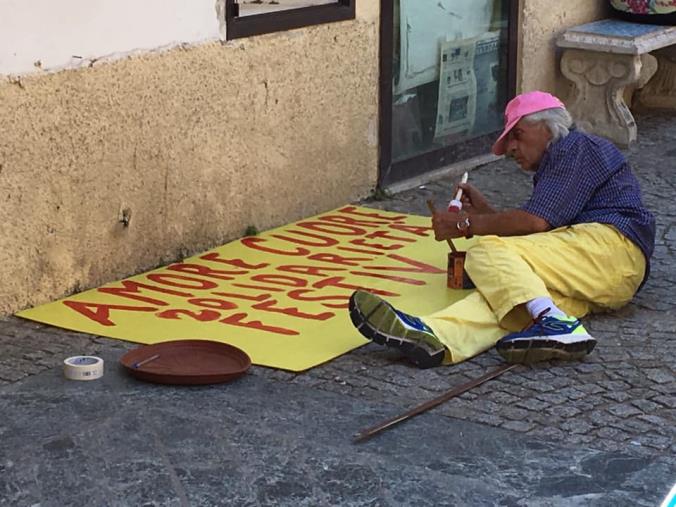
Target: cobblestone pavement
point(621, 398)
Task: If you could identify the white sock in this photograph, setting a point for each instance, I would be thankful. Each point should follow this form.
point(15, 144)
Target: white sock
point(538, 305)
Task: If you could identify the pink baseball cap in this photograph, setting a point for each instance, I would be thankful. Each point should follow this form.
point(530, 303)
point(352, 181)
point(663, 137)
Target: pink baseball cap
point(523, 105)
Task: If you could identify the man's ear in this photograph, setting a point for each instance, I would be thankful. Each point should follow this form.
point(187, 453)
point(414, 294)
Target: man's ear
point(546, 127)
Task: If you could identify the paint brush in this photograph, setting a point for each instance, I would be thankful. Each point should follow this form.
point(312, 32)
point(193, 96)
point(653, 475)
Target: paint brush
point(456, 203)
point(146, 361)
point(430, 205)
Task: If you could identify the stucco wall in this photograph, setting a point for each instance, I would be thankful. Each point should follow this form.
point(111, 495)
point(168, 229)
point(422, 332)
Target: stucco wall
point(541, 21)
point(44, 34)
point(196, 142)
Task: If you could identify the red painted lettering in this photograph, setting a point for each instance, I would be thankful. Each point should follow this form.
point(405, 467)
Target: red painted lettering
point(321, 240)
point(238, 263)
point(248, 297)
point(201, 316)
point(198, 269)
point(329, 228)
point(300, 295)
point(386, 235)
point(257, 287)
point(359, 250)
point(413, 229)
point(309, 270)
point(363, 242)
point(339, 259)
point(394, 278)
point(268, 306)
point(288, 281)
point(341, 219)
point(416, 266)
point(255, 244)
point(201, 270)
point(237, 319)
point(337, 281)
point(220, 304)
point(131, 289)
point(352, 210)
point(100, 312)
point(184, 282)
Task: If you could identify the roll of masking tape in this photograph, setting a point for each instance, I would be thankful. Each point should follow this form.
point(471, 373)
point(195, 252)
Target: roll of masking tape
point(83, 368)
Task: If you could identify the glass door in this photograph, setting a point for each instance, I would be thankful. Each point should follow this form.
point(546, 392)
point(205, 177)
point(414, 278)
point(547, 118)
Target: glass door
point(447, 71)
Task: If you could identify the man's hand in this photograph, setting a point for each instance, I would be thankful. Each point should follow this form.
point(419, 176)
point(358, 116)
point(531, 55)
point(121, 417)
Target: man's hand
point(473, 201)
point(513, 222)
point(445, 224)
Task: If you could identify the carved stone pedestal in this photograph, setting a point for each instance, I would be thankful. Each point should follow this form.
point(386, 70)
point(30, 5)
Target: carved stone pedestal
point(660, 92)
point(598, 104)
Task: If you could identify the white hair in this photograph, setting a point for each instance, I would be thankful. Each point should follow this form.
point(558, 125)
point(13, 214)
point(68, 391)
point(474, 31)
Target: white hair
point(557, 120)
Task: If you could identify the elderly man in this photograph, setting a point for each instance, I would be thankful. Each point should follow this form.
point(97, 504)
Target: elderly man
point(580, 244)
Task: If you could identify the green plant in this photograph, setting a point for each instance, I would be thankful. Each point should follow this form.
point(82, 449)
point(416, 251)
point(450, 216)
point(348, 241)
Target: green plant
point(251, 230)
point(380, 194)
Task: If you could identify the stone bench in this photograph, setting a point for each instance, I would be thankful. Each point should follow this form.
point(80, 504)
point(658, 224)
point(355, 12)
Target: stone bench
point(604, 58)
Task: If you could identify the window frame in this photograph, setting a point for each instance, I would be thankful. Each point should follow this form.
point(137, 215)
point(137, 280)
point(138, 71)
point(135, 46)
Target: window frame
point(391, 172)
point(257, 24)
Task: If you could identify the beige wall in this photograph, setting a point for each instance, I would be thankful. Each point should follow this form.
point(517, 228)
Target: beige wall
point(541, 22)
point(198, 143)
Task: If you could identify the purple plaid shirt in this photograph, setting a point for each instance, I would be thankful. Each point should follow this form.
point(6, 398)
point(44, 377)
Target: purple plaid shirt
point(584, 178)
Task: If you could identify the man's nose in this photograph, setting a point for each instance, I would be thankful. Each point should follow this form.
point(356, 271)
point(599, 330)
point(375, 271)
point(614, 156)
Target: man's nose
point(510, 147)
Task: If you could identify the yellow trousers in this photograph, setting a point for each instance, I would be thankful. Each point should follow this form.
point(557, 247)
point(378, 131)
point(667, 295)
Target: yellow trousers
point(583, 268)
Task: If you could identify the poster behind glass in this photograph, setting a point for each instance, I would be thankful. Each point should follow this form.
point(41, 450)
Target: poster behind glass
point(449, 73)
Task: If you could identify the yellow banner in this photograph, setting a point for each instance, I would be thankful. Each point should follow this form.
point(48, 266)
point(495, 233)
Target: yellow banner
point(280, 296)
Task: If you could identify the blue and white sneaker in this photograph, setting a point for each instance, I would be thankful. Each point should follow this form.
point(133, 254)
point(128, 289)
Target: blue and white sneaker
point(380, 322)
point(548, 338)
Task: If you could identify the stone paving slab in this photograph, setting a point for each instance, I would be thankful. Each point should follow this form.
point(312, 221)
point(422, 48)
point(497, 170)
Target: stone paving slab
point(259, 441)
point(621, 399)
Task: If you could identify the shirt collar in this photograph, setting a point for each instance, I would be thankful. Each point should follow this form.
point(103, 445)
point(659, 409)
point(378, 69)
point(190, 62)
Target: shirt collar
point(553, 147)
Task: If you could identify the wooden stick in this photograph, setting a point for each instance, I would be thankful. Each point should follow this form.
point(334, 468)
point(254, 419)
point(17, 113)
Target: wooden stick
point(146, 360)
point(430, 205)
point(368, 433)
